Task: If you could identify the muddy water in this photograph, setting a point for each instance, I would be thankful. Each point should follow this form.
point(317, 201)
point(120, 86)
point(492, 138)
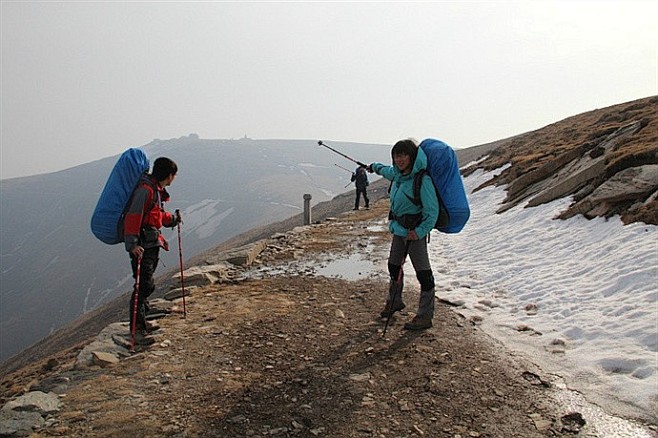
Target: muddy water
point(353, 267)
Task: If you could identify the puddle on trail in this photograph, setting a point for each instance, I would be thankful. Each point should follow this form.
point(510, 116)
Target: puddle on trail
point(354, 267)
point(351, 268)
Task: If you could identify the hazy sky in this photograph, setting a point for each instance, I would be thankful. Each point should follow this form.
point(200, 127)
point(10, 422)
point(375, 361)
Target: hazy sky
point(85, 80)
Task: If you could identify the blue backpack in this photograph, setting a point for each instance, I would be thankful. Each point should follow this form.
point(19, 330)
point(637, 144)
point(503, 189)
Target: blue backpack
point(107, 220)
point(443, 168)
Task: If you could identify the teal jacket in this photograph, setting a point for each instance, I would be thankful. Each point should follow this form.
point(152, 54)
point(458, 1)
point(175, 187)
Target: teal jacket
point(402, 193)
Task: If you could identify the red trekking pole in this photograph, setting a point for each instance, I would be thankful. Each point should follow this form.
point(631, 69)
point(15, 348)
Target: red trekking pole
point(180, 257)
point(133, 329)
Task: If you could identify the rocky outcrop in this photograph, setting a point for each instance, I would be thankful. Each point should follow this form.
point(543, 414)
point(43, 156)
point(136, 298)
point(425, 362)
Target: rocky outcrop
point(23, 415)
point(203, 275)
point(629, 185)
point(586, 169)
point(242, 256)
point(104, 350)
point(223, 267)
point(611, 172)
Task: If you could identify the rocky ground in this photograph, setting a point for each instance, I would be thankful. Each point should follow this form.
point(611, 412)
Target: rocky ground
point(269, 353)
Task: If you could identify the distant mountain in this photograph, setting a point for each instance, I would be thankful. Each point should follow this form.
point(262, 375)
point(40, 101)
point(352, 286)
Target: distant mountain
point(54, 269)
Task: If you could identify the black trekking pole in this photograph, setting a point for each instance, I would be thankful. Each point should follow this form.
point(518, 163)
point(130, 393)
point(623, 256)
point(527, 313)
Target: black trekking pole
point(348, 171)
point(398, 281)
point(343, 168)
point(180, 257)
point(133, 329)
point(341, 154)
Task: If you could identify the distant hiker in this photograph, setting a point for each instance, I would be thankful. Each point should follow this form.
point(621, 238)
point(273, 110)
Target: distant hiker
point(144, 219)
point(410, 225)
point(360, 179)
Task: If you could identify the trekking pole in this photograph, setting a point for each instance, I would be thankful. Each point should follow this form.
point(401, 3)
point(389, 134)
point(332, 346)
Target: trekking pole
point(180, 257)
point(398, 281)
point(343, 168)
point(341, 154)
point(348, 171)
point(133, 329)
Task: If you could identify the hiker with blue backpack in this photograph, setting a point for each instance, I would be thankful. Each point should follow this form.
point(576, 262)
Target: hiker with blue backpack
point(410, 224)
point(144, 218)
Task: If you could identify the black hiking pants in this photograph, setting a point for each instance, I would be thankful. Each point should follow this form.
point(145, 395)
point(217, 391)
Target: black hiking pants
point(359, 191)
point(146, 284)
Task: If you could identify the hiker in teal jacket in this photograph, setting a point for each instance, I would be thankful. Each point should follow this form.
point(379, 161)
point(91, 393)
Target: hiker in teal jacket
point(410, 225)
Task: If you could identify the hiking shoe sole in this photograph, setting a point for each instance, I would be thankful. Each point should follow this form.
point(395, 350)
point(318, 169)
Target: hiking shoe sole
point(156, 311)
point(385, 314)
point(418, 325)
point(126, 340)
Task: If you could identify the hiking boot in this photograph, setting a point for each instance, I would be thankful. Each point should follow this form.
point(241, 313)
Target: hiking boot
point(156, 311)
point(355, 208)
point(419, 323)
point(126, 340)
point(390, 310)
point(156, 315)
point(147, 327)
point(151, 327)
point(142, 338)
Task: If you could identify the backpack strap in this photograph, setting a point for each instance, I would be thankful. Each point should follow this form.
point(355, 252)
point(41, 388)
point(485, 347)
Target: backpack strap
point(444, 217)
point(418, 181)
point(156, 193)
point(144, 179)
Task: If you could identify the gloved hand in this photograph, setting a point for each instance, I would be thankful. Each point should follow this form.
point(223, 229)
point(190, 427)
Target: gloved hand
point(178, 219)
point(369, 168)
